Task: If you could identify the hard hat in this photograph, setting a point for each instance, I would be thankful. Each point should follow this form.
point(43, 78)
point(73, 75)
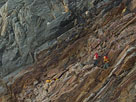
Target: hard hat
point(104, 57)
point(48, 81)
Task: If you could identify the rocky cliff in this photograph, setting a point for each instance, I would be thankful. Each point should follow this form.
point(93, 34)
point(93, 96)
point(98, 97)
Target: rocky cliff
point(56, 40)
point(28, 27)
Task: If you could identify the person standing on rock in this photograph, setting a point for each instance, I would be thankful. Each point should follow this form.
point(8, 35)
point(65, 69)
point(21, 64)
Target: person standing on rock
point(47, 85)
point(95, 58)
point(106, 62)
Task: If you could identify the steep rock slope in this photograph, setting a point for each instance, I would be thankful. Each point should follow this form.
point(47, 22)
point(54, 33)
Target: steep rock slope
point(110, 32)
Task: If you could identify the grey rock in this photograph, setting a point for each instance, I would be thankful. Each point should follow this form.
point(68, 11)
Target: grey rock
point(1, 90)
point(28, 100)
point(31, 26)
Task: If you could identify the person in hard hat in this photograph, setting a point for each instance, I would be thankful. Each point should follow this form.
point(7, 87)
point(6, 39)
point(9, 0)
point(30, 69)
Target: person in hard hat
point(95, 58)
point(106, 62)
point(47, 84)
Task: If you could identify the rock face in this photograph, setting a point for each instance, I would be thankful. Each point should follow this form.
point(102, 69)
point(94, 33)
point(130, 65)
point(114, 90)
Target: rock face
point(60, 44)
point(30, 26)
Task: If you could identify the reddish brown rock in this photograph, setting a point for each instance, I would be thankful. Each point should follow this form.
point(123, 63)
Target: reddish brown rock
point(72, 63)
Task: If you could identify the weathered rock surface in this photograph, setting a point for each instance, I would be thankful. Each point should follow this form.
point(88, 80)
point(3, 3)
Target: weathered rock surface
point(30, 26)
point(41, 32)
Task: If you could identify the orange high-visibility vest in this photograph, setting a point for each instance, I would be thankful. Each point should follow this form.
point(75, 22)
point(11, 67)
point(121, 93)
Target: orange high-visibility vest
point(106, 59)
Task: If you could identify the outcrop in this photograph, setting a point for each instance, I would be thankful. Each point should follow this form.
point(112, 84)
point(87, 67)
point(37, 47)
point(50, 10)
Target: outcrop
point(56, 40)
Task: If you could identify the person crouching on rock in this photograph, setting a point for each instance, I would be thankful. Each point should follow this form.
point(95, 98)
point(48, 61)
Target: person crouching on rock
point(95, 59)
point(106, 62)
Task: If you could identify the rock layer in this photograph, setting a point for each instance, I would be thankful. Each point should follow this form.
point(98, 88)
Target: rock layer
point(69, 56)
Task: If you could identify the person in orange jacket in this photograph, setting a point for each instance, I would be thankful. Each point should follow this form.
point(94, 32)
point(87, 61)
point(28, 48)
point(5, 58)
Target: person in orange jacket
point(106, 62)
